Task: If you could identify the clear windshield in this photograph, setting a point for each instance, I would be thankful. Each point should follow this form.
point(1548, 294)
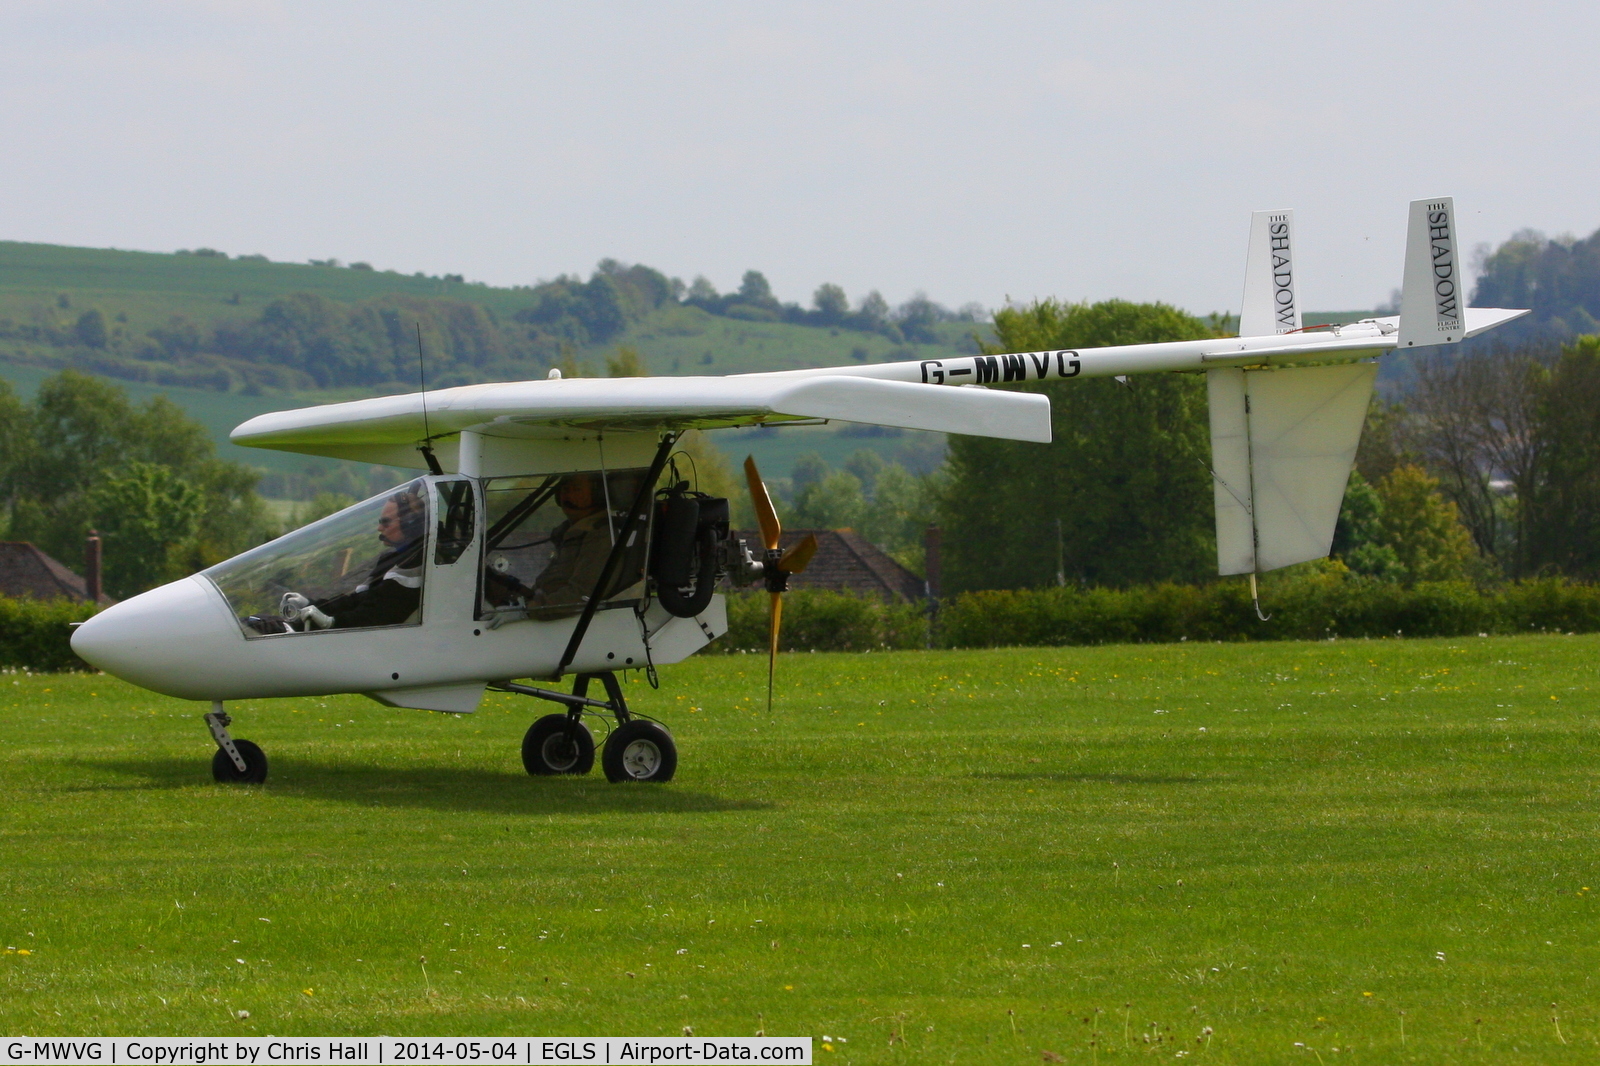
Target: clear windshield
point(359, 568)
point(548, 540)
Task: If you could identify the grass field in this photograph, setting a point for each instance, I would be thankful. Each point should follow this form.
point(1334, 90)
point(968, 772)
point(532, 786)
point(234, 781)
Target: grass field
point(1357, 851)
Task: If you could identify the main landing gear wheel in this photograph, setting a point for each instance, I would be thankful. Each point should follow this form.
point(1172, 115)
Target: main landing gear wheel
point(558, 744)
point(255, 765)
point(640, 751)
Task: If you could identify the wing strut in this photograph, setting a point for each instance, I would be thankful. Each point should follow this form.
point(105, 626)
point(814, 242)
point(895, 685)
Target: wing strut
point(641, 504)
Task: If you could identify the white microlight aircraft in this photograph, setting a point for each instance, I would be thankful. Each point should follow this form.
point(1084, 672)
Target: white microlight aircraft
point(542, 542)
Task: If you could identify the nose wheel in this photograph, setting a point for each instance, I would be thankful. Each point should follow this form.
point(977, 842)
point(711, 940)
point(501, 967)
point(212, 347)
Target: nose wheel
point(255, 765)
point(236, 761)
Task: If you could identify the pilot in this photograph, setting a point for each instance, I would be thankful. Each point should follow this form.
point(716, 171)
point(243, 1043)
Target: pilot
point(582, 542)
point(392, 591)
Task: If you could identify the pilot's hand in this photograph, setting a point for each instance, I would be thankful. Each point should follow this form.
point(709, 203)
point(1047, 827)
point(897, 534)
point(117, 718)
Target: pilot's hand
point(295, 607)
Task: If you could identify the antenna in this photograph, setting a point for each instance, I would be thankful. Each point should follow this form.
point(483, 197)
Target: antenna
point(426, 447)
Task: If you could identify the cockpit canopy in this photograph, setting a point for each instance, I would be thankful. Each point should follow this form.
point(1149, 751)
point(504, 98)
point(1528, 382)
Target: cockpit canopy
point(543, 544)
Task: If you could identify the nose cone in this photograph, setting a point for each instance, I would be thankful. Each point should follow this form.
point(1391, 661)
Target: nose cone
point(178, 639)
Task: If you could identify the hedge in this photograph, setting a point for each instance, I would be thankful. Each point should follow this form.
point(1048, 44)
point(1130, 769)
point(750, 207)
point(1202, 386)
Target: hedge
point(820, 620)
point(37, 634)
point(1314, 608)
point(1318, 606)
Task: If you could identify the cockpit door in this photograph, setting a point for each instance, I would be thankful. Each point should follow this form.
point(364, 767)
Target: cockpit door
point(456, 512)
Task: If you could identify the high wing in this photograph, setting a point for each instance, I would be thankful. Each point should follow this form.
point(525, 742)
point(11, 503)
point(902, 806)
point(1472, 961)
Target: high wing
point(387, 429)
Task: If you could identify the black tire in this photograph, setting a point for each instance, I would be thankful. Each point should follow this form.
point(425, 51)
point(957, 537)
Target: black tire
point(640, 751)
point(255, 765)
point(556, 744)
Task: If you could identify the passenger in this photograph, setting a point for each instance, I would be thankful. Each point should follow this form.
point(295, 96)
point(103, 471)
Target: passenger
point(393, 589)
point(582, 542)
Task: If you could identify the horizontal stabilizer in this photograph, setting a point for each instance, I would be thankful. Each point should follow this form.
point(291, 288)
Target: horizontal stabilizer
point(1433, 298)
point(1282, 444)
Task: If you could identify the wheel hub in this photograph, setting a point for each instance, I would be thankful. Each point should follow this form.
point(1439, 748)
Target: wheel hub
point(560, 752)
point(641, 758)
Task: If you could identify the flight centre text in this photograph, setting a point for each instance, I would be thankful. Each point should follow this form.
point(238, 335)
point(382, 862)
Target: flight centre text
point(384, 1051)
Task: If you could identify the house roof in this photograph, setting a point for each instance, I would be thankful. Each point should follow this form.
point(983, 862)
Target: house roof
point(27, 572)
point(848, 562)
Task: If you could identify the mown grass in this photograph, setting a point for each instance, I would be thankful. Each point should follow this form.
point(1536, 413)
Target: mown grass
point(1249, 853)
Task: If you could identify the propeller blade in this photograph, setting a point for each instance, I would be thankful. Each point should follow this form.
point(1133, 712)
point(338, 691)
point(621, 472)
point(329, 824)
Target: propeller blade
point(772, 648)
point(797, 558)
point(771, 528)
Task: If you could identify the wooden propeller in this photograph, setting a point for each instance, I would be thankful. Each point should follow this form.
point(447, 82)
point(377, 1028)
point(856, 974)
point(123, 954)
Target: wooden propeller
point(778, 565)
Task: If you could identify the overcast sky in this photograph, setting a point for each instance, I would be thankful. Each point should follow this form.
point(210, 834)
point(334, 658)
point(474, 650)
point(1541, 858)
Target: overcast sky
point(973, 151)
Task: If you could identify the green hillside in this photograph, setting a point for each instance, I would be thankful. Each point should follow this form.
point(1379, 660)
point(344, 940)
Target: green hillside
point(230, 338)
point(186, 319)
point(171, 324)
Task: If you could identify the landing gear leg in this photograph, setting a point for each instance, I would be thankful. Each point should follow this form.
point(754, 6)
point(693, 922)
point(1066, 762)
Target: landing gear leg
point(637, 749)
point(235, 760)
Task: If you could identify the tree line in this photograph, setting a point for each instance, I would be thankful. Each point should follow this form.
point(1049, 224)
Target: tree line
point(1486, 469)
point(1557, 277)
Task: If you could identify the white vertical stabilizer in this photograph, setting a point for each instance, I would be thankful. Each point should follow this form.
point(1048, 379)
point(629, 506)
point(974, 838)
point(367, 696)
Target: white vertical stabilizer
point(1282, 444)
point(1271, 305)
point(1433, 299)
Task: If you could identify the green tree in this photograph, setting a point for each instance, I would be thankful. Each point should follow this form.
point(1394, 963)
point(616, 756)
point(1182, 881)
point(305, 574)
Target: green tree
point(833, 502)
point(1559, 279)
point(626, 363)
point(901, 509)
point(81, 432)
point(808, 468)
point(754, 288)
point(1359, 539)
point(16, 437)
point(866, 465)
point(1563, 509)
point(90, 330)
point(319, 507)
point(831, 303)
point(1424, 528)
point(1122, 496)
point(1403, 529)
point(146, 516)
